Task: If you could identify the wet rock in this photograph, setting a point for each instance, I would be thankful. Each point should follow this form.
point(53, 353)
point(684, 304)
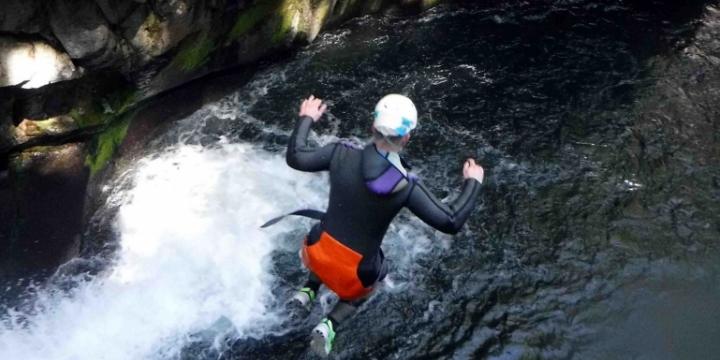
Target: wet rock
point(55, 126)
point(46, 235)
point(148, 34)
point(7, 127)
point(7, 211)
point(22, 16)
point(32, 63)
point(116, 11)
point(61, 112)
point(153, 31)
point(87, 37)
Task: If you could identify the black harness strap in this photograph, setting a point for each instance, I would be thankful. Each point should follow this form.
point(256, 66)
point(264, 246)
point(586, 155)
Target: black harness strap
point(308, 213)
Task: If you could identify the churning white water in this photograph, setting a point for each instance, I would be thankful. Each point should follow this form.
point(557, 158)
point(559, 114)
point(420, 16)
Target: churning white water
point(191, 250)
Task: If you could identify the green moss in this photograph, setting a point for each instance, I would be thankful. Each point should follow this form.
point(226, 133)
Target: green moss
point(120, 101)
point(152, 24)
point(111, 111)
point(102, 111)
point(247, 19)
point(88, 115)
point(287, 12)
point(44, 126)
point(322, 10)
point(194, 52)
point(107, 142)
point(55, 126)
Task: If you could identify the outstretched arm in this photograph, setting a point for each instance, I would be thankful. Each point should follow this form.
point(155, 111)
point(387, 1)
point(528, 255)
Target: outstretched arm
point(448, 218)
point(300, 155)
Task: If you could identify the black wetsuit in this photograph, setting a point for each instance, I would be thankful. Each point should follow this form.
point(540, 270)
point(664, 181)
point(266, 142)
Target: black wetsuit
point(366, 192)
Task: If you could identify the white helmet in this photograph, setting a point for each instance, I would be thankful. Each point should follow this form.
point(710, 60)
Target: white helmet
point(395, 115)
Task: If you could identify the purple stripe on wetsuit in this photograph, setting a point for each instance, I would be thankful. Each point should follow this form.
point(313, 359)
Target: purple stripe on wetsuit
point(385, 183)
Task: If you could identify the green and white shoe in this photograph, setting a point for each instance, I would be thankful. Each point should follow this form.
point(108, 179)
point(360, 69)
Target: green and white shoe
point(299, 306)
point(323, 337)
point(304, 296)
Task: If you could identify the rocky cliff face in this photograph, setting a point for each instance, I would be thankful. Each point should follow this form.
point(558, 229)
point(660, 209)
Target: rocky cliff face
point(73, 72)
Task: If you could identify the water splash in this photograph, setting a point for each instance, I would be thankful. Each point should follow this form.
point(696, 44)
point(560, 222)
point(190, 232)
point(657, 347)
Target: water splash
point(191, 251)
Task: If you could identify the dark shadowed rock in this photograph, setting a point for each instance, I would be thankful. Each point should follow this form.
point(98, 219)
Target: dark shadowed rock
point(86, 36)
point(56, 177)
point(22, 16)
point(7, 211)
point(7, 138)
point(116, 11)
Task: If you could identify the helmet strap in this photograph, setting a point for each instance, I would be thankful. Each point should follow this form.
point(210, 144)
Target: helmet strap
point(389, 143)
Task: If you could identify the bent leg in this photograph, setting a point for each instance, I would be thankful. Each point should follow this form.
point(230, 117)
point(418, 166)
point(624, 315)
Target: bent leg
point(344, 310)
point(307, 294)
point(323, 335)
point(313, 282)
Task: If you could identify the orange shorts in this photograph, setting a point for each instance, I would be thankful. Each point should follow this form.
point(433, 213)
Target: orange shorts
point(336, 265)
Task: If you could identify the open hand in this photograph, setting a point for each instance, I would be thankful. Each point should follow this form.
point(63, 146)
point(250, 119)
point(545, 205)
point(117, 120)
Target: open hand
point(313, 108)
point(473, 170)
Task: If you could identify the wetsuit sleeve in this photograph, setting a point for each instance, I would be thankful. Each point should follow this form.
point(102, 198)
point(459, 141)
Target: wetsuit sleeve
point(303, 157)
point(448, 218)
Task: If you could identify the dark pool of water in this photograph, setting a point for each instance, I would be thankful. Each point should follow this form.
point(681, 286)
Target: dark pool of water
point(596, 224)
point(596, 122)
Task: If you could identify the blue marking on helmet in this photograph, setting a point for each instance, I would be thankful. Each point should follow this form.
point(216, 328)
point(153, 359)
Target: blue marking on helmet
point(406, 122)
point(401, 131)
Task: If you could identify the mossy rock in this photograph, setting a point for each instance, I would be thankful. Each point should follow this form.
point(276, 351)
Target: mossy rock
point(112, 114)
point(29, 130)
point(102, 111)
point(289, 20)
point(249, 18)
point(283, 19)
point(106, 143)
point(194, 52)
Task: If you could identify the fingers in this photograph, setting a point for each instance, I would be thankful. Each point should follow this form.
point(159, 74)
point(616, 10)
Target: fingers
point(313, 102)
point(469, 163)
point(312, 107)
point(305, 106)
point(317, 104)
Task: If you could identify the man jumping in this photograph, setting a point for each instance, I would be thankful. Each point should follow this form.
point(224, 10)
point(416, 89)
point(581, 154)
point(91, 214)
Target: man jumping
point(368, 187)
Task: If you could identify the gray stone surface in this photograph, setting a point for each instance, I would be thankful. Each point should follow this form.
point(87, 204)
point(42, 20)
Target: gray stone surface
point(21, 16)
point(86, 36)
point(33, 63)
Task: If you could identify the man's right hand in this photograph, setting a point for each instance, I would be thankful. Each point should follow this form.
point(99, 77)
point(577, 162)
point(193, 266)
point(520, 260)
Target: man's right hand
point(313, 108)
point(471, 170)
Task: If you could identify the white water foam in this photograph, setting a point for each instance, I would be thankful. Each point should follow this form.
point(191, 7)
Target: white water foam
point(191, 251)
point(190, 247)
